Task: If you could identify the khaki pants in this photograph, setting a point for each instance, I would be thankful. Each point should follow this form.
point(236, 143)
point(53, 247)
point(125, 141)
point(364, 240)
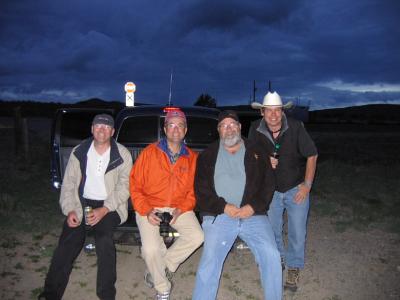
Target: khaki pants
point(156, 255)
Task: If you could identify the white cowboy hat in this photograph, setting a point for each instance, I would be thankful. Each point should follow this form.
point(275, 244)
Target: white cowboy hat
point(271, 99)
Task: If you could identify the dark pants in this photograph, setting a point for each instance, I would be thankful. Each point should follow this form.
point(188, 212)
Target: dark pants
point(70, 245)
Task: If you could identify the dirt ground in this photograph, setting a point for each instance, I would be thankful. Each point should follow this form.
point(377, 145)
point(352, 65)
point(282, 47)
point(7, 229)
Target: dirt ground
point(349, 265)
point(352, 264)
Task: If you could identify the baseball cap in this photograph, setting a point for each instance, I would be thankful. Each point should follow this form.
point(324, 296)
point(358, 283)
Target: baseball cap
point(176, 113)
point(227, 114)
point(103, 119)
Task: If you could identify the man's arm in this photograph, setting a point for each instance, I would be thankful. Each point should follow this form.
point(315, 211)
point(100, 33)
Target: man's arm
point(136, 185)
point(190, 199)
point(206, 196)
point(69, 196)
point(260, 181)
point(73, 220)
point(305, 187)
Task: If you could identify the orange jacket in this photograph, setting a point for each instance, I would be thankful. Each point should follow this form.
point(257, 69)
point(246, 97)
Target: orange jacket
point(155, 182)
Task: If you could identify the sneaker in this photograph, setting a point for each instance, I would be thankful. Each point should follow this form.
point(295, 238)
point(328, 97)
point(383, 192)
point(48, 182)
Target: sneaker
point(292, 279)
point(148, 279)
point(162, 296)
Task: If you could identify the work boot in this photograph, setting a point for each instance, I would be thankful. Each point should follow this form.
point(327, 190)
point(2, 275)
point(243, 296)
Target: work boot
point(292, 279)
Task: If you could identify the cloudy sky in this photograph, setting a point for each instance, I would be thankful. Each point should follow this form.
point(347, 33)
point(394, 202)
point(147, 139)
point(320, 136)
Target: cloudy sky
point(329, 53)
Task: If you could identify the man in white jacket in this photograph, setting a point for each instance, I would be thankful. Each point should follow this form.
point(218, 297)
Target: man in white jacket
point(97, 175)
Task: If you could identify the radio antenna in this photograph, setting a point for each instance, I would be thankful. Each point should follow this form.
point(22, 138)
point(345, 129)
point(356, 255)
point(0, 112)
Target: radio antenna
point(170, 89)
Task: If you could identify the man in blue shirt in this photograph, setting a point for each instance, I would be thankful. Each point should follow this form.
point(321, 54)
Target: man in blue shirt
point(233, 186)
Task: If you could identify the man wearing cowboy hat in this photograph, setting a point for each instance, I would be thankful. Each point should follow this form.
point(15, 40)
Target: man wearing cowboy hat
point(293, 157)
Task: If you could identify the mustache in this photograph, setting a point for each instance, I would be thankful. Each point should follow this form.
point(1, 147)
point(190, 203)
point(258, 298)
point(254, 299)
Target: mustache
point(231, 140)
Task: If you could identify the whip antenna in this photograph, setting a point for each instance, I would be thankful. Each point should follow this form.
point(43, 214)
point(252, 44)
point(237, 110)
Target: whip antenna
point(170, 89)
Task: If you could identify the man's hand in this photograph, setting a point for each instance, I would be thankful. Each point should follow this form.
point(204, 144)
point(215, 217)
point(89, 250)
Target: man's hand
point(96, 215)
point(274, 162)
point(246, 211)
point(231, 210)
point(152, 218)
point(175, 214)
point(301, 194)
point(72, 219)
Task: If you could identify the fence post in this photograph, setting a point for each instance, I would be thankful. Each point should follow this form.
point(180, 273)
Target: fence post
point(21, 137)
point(17, 130)
point(25, 139)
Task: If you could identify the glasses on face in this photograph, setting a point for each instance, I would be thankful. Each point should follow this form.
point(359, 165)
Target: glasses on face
point(180, 126)
point(104, 126)
point(231, 125)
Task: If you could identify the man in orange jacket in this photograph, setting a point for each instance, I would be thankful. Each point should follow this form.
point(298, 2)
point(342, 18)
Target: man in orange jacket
point(161, 180)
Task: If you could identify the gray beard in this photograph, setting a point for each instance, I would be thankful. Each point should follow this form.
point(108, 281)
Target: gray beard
point(232, 141)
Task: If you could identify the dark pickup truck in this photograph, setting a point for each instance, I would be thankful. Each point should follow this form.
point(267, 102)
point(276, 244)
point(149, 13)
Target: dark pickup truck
point(135, 128)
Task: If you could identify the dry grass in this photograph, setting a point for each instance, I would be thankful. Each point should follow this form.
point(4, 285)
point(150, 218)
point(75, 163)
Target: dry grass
point(27, 202)
point(357, 177)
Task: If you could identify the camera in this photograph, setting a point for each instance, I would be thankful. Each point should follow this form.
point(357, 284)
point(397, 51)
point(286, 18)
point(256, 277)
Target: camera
point(165, 217)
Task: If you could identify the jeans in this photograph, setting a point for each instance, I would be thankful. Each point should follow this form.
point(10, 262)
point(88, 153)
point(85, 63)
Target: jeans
point(219, 235)
point(70, 245)
point(297, 226)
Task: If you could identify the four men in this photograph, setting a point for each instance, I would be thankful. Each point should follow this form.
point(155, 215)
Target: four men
point(293, 157)
point(97, 175)
point(162, 181)
point(234, 185)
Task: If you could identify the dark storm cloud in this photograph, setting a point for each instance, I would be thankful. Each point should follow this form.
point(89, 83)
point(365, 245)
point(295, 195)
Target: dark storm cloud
point(225, 15)
point(334, 53)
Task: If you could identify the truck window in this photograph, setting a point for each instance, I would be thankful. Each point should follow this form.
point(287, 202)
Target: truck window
point(246, 121)
point(139, 130)
point(75, 128)
point(201, 130)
